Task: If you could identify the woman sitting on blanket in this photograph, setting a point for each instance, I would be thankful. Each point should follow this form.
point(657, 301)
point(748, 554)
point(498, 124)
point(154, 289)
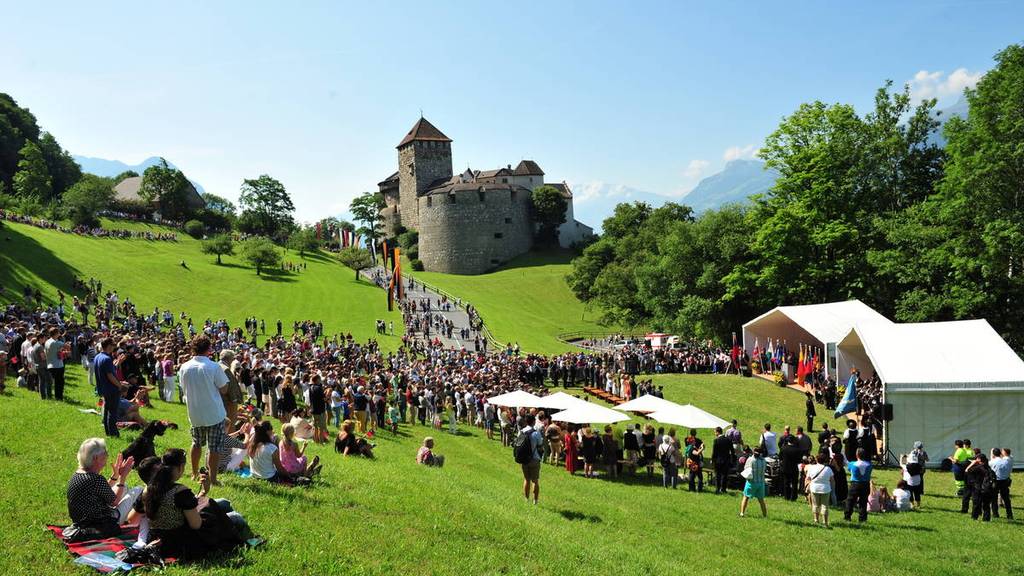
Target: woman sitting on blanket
point(265, 458)
point(97, 506)
point(175, 519)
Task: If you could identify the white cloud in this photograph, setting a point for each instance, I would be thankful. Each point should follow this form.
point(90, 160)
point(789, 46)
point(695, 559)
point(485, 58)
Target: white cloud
point(938, 85)
point(695, 169)
point(737, 152)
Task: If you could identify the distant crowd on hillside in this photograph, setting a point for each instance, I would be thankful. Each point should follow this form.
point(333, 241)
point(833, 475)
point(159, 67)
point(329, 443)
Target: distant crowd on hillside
point(95, 232)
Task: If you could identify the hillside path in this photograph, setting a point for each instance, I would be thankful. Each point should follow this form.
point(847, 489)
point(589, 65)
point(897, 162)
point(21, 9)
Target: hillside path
point(420, 293)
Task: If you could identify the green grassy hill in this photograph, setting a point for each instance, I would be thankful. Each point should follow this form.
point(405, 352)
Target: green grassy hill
point(150, 273)
point(526, 301)
point(390, 516)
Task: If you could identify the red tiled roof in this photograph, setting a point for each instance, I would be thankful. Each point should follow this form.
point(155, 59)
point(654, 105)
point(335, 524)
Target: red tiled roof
point(423, 130)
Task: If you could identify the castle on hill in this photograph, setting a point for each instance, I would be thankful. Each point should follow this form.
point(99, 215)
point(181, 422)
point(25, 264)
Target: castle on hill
point(471, 222)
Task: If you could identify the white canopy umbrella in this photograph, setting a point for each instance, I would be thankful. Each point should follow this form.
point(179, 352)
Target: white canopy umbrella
point(588, 413)
point(688, 416)
point(517, 399)
point(560, 401)
point(647, 403)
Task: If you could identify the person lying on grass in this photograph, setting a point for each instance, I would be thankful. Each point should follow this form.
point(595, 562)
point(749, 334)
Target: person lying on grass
point(182, 524)
point(349, 444)
point(265, 458)
point(98, 506)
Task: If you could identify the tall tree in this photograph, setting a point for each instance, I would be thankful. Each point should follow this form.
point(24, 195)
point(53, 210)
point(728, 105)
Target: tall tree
point(32, 180)
point(960, 254)
point(168, 187)
point(219, 204)
point(355, 258)
point(266, 206)
point(549, 212)
point(63, 169)
point(17, 126)
point(366, 208)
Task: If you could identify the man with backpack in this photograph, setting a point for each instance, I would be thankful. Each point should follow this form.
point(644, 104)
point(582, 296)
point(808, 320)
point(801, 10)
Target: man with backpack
point(526, 449)
point(981, 483)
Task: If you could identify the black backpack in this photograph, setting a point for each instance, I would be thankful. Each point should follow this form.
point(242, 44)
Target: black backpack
point(522, 448)
point(988, 483)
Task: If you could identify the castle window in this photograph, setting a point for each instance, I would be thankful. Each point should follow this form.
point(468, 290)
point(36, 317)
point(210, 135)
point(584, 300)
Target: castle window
point(504, 180)
point(513, 194)
point(508, 220)
point(480, 193)
point(498, 235)
point(451, 198)
point(531, 179)
point(430, 201)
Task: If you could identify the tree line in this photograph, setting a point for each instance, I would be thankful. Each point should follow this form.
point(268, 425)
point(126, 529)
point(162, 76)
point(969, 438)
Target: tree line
point(866, 206)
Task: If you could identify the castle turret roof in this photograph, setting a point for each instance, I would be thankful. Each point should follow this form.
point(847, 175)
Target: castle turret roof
point(528, 168)
point(423, 130)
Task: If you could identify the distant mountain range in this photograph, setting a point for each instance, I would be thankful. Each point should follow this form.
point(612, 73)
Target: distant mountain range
point(739, 180)
point(111, 168)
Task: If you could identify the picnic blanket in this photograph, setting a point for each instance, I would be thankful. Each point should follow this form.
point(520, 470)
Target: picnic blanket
point(101, 554)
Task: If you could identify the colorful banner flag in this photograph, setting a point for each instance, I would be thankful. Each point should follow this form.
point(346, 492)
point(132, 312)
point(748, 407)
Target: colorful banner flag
point(849, 402)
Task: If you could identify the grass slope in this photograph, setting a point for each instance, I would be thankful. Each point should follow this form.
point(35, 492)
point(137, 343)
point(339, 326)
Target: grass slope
point(390, 516)
point(151, 275)
point(526, 301)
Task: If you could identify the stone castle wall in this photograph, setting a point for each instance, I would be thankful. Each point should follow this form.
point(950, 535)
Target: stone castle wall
point(420, 163)
point(471, 232)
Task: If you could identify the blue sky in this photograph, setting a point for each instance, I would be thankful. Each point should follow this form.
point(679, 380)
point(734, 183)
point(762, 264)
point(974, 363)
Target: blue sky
point(609, 96)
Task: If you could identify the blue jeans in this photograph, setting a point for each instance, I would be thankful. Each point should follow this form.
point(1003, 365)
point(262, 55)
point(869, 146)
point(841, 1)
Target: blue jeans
point(337, 415)
point(111, 403)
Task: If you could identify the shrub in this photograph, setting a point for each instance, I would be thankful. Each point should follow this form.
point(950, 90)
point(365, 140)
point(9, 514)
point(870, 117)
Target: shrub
point(413, 252)
point(408, 239)
point(417, 265)
point(195, 228)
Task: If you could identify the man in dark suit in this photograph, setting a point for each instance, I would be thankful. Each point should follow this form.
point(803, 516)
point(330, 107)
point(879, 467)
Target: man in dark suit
point(811, 412)
point(722, 457)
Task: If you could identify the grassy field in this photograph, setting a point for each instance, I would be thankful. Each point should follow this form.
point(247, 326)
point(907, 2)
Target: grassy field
point(151, 275)
point(390, 516)
point(526, 301)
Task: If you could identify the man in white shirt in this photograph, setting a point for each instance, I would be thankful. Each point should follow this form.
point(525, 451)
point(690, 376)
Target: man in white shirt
point(204, 384)
point(769, 441)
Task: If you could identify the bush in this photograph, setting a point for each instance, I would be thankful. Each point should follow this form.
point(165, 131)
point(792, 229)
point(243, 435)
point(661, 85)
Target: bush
point(417, 265)
point(195, 228)
point(413, 252)
point(408, 239)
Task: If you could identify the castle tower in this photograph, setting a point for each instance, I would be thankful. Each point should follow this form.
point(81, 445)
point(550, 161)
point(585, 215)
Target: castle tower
point(424, 157)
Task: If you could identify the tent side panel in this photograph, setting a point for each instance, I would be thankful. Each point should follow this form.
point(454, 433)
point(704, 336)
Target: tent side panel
point(988, 419)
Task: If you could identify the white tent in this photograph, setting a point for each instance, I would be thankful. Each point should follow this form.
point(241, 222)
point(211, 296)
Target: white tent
point(517, 399)
point(688, 416)
point(647, 403)
point(819, 325)
point(560, 401)
point(589, 414)
point(945, 380)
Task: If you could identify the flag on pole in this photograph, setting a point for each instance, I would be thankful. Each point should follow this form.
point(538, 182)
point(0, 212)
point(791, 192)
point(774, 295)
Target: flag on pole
point(849, 402)
point(397, 276)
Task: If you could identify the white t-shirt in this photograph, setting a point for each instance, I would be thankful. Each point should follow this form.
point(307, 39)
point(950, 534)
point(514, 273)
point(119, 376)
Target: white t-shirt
point(820, 477)
point(262, 463)
point(902, 498)
point(201, 380)
point(771, 446)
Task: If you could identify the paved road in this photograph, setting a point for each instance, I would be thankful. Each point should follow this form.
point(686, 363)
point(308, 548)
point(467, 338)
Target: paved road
point(456, 315)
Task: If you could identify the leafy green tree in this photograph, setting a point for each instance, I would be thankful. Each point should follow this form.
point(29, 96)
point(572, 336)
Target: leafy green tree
point(221, 245)
point(549, 208)
point(218, 204)
point(261, 253)
point(303, 240)
point(194, 228)
point(63, 169)
point(960, 254)
point(366, 208)
point(86, 198)
point(32, 180)
point(355, 258)
point(266, 207)
point(17, 126)
point(168, 187)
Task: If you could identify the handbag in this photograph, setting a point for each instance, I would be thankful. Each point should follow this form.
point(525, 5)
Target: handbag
point(747, 472)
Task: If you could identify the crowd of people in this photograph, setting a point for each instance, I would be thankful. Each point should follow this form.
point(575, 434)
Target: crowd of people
point(311, 382)
point(93, 231)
